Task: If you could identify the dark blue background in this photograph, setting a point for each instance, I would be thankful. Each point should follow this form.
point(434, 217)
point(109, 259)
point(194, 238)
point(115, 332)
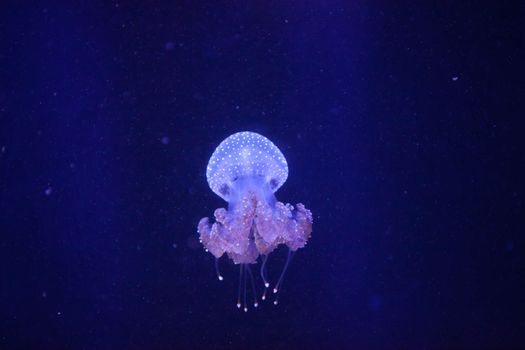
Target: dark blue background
point(400, 126)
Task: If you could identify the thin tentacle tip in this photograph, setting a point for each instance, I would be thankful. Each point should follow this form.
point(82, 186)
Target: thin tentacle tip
point(220, 278)
point(245, 309)
point(266, 284)
point(275, 290)
point(275, 302)
point(238, 305)
point(255, 304)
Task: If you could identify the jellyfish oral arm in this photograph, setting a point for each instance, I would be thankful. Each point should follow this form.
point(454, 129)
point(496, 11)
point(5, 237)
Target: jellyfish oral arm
point(283, 224)
point(255, 224)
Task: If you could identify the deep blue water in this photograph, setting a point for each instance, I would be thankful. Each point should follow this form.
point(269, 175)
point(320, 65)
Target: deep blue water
point(401, 127)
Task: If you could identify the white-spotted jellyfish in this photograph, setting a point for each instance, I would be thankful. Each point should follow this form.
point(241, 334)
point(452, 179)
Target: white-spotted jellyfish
point(246, 170)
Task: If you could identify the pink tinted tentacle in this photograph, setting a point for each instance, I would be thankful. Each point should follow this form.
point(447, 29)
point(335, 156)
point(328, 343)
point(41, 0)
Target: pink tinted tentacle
point(219, 276)
point(278, 285)
point(263, 271)
point(254, 291)
point(241, 266)
point(244, 287)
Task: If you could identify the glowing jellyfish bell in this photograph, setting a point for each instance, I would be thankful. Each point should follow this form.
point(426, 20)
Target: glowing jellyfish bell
point(246, 170)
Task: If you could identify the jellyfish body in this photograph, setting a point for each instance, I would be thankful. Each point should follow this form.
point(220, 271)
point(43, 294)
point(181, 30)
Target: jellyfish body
point(246, 170)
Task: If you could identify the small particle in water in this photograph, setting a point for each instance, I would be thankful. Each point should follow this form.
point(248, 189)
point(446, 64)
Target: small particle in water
point(509, 245)
point(455, 78)
point(48, 191)
point(3, 149)
point(237, 107)
point(59, 313)
point(375, 302)
point(169, 46)
point(44, 295)
point(174, 245)
point(72, 165)
point(165, 140)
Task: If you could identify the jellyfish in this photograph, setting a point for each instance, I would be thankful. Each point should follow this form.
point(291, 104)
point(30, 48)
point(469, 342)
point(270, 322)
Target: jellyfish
point(246, 170)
